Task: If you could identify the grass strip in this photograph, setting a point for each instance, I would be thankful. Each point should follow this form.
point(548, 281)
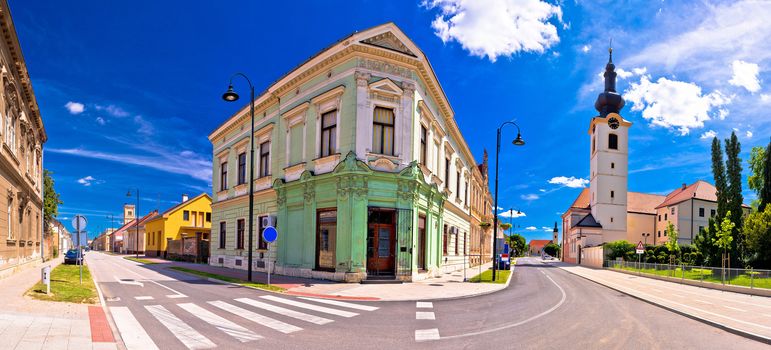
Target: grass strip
point(705, 275)
point(238, 281)
point(66, 286)
point(486, 277)
point(140, 260)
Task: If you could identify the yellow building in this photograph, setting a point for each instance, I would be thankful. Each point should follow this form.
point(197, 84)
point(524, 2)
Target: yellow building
point(181, 232)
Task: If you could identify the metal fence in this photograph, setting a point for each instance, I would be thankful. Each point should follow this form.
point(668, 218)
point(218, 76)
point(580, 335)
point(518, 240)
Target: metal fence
point(749, 278)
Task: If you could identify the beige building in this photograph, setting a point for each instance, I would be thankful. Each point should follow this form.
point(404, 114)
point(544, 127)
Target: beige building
point(21, 165)
point(480, 244)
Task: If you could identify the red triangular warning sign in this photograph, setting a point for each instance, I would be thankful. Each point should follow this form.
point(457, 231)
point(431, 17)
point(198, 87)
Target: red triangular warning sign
point(640, 246)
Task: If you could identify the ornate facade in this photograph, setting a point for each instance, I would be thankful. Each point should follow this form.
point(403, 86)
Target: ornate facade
point(21, 157)
point(358, 163)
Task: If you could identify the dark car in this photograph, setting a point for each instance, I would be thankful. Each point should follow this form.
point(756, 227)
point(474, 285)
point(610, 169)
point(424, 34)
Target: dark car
point(71, 257)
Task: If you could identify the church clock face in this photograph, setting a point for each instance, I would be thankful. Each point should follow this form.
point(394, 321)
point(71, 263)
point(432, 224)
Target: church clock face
point(613, 123)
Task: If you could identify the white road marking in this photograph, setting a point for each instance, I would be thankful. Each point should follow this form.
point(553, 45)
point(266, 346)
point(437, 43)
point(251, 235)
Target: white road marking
point(282, 327)
point(510, 325)
point(134, 283)
point(176, 293)
point(132, 333)
point(323, 309)
point(342, 304)
point(419, 315)
point(230, 328)
point(186, 334)
point(702, 301)
point(284, 311)
point(145, 297)
point(734, 308)
point(678, 295)
point(424, 305)
point(426, 334)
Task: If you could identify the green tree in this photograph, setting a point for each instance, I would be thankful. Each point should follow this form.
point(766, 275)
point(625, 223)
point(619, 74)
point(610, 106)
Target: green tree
point(704, 242)
point(757, 168)
point(517, 243)
point(51, 201)
point(551, 248)
point(718, 174)
point(672, 245)
point(724, 239)
point(735, 198)
point(620, 249)
point(765, 192)
point(757, 235)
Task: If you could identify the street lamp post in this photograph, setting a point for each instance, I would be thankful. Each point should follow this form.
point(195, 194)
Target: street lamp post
point(136, 222)
point(517, 142)
point(231, 96)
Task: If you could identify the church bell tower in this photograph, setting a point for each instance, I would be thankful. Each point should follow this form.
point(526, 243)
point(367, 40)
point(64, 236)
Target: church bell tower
point(609, 135)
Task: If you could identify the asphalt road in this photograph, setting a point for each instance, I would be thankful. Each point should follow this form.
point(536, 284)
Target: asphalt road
point(543, 308)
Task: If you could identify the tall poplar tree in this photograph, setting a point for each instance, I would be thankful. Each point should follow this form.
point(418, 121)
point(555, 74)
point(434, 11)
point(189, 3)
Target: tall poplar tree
point(765, 191)
point(734, 195)
point(718, 174)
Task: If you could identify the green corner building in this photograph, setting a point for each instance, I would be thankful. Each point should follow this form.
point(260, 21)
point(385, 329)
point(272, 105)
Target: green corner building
point(360, 166)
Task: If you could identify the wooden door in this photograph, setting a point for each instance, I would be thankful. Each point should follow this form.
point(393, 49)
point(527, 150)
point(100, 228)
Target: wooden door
point(381, 252)
point(421, 243)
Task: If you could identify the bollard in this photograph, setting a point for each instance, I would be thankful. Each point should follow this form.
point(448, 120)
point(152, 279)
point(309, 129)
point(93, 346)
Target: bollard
point(46, 276)
point(752, 275)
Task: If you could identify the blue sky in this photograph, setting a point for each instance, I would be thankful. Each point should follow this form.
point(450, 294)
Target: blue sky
point(129, 91)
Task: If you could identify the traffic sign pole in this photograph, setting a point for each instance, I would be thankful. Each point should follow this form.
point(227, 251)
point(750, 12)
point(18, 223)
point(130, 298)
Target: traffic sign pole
point(269, 234)
point(79, 222)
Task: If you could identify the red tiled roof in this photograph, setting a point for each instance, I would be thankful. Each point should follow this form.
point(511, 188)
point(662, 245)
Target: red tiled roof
point(539, 243)
point(582, 201)
point(637, 202)
point(699, 190)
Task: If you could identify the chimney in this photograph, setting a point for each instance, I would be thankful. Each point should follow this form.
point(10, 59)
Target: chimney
point(184, 198)
point(684, 186)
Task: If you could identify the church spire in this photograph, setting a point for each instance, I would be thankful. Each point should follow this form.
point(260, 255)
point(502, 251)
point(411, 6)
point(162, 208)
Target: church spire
point(609, 101)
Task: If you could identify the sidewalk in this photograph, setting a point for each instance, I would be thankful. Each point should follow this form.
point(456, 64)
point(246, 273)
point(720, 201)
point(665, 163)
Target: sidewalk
point(745, 315)
point(26, 323)
point(447, 286)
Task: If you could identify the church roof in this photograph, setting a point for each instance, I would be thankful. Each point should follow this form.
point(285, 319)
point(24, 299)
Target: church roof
point(539, 243)
point(582, 201)
point(645, 203)
point(588, 221)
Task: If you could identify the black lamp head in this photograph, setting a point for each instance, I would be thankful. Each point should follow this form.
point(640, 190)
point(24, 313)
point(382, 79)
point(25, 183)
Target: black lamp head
point(518, 141)
point(128, 194)
point(230, 95)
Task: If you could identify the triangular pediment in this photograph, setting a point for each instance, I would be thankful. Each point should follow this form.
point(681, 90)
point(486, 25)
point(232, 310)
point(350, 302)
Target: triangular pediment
point(387, 86)
point(389, 41)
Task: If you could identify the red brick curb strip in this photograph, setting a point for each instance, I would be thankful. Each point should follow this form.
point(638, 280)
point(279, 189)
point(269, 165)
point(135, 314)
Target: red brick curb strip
point(100, 328)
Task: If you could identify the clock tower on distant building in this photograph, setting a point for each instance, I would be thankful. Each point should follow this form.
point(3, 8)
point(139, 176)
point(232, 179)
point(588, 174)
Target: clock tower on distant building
point(609, 134)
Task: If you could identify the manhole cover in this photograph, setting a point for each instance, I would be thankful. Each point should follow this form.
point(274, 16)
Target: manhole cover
point(436, 284)
point(112, 299)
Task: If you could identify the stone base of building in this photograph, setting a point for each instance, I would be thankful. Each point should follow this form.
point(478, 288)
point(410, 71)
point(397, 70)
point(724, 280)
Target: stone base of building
point(28, 263)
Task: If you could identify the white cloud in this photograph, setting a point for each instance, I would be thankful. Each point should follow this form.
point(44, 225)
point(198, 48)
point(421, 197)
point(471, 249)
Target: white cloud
point(708, 135)
point(531, 228)
point(745, 75)
point(586, 48)
point(541, 190)
point(547, 229)
point(75, 107)
point(765, 98)
point(499, 208)
point(529, 197)
point(639, 71)
point(748, 134)
point(100, 121)
point(571, 182)
point(493, 28)
point(145, 127)
point(86, 181)
point(674, 104)
point(511, 214)
point(196, 167)
point(112, 110)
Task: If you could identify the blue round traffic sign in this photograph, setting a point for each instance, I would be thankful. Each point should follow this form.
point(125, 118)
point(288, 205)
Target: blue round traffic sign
point(269, 234)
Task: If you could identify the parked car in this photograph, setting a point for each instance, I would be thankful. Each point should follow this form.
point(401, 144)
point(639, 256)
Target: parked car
point(71, 257)
point(548, 257)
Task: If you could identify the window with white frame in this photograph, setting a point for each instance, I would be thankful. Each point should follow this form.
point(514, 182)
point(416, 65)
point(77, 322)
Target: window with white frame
point(383, 131)
point(423, 145)
point(265, 159)
point(328, 133)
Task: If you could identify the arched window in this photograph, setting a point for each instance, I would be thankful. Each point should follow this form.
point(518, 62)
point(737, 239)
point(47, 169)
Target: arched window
point(612, 141)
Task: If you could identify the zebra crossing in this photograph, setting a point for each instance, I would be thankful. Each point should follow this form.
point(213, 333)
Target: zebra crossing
point(256, 318)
